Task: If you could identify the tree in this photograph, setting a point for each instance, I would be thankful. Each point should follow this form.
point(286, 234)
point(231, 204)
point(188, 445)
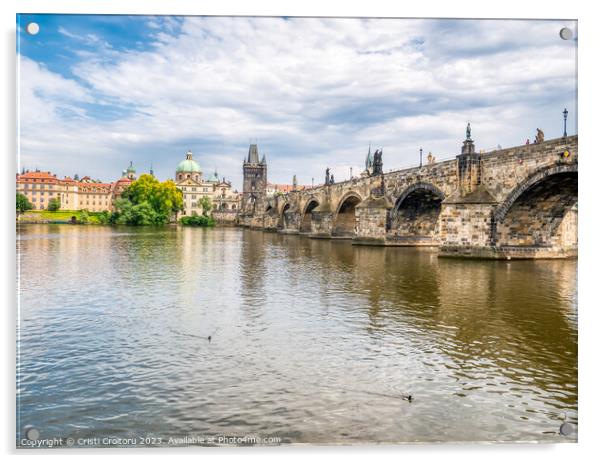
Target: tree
point(147, 201)
point(54, 204)
point(23, 203)
point(205, 204)
point(164, 197)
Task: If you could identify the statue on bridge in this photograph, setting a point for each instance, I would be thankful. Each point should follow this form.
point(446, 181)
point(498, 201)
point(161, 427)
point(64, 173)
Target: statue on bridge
point(377, 166)
point(327, 180)
point(468, 131)
point(331, 179)
point(539, 136)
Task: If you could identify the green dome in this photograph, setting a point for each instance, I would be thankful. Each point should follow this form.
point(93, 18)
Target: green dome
point(214, 178)
point(188, 165)
point(131, 169)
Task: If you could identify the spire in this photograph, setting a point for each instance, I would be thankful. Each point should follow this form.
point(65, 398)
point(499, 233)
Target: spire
point(369, 158)
point(253, 157)
point(263, 161)
point(151, 170)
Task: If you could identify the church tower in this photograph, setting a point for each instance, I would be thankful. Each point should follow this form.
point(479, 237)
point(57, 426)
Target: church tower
point(255, 177)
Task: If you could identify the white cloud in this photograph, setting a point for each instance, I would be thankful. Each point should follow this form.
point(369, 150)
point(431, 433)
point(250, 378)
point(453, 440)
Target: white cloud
point(312, 91)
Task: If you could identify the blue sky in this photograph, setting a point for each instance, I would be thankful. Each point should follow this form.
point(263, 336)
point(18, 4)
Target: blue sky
point(98, 91)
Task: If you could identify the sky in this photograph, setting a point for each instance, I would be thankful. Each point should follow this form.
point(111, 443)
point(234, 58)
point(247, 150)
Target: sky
point(98, 91)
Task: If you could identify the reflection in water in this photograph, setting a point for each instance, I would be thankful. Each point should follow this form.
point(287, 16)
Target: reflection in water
point(312, 340)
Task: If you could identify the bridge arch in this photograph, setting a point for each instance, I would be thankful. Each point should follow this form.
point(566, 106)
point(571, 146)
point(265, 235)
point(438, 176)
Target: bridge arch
point(415, 215)
point(541, 211)
point(306, 211)
point(344, 223)
point(283, 219)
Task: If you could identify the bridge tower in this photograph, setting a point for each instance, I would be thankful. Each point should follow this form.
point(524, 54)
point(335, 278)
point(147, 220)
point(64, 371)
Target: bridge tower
point(255, 178)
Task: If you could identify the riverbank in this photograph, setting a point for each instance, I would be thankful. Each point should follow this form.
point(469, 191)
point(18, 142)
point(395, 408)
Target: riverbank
point(96, 218)
point(71, 217)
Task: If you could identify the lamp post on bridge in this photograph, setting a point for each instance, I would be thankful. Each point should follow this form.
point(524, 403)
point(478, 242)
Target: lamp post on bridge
point(565, 113)
point(420, 157)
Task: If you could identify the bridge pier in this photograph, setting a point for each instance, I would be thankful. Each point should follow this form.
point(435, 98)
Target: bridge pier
point(372, 219)
point(321, 222)
point(467, 225)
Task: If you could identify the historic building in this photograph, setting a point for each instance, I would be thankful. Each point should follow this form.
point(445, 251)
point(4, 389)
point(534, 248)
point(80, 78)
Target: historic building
point(189, 179)
point(74, 194)
point(96, 196)
point(255, 178)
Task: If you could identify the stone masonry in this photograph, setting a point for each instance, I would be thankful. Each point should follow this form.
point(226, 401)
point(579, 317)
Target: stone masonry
point(519, 202)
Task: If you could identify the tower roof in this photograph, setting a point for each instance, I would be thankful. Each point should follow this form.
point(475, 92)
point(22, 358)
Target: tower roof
point(369, 159)
point(253, 154)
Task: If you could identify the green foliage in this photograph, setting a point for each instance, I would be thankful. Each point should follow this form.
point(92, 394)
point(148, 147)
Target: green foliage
point(198, 221)
point(104, 217)
point(137, 214)
point(83, 216)
point(23, 203)
point(54, 204)
point(164, 197)
point(205, 203)
point(147, 202)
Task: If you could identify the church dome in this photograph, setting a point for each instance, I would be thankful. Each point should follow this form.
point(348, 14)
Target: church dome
point(188, 165)
point(214, 178)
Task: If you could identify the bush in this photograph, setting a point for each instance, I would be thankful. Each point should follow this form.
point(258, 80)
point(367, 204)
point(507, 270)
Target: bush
point(54, 204)
point(197, 221)
point(83, 216)
point(104, 217)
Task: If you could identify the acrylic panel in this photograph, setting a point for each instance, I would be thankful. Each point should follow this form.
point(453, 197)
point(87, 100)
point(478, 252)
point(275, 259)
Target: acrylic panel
point(275, 231)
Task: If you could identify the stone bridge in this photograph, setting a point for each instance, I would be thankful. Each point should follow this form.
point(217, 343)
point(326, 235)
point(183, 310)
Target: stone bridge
point(518, 202)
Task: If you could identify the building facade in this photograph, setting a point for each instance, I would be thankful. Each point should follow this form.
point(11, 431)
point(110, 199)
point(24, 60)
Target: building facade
point(189, 179)
point(95, 196)
point(40, 187)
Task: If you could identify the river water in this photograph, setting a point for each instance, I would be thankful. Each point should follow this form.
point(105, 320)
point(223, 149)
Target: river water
point(312, 341)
